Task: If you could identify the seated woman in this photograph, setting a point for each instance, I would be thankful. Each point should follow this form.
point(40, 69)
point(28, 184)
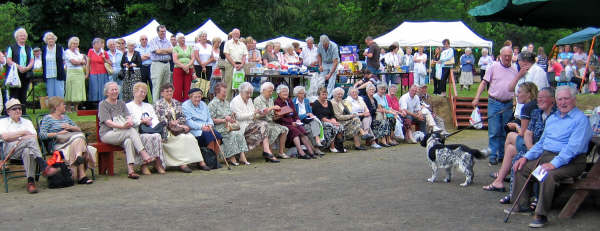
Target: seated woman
point(266, 111)
point(19, 134)
point(351, 122)
point(332, 129)
point(254, 131)
point(390, 114)
point(311, 123)
point(515, 142)
point(180, 147)
point(379, 124)
point(143, 113)
point(198, 119)
point(356, 105)
point(234, 143)
point(116, 128)
point(296, 132)
point(69, 139)
point(394, 104)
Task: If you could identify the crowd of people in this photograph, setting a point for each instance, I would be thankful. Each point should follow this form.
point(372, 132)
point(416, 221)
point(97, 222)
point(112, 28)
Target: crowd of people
point(182, 120)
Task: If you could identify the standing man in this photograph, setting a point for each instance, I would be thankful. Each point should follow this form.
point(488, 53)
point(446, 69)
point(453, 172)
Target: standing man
point(235, 53)
point(529, 72)
point(499, 75)
point(145, 52)
point(161, 53)
point(372, 55)
point(328, 57)
point(309, 54)
point(562, 150)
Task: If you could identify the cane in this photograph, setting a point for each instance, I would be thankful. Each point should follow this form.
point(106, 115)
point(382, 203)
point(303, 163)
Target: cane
point(220, 150)
point(521, 192)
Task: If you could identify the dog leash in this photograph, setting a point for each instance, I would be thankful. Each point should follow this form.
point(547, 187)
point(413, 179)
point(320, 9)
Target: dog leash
point(483, 120)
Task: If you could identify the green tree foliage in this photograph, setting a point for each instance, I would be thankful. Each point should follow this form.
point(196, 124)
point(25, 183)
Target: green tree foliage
point(345, 21)
point(12, 16)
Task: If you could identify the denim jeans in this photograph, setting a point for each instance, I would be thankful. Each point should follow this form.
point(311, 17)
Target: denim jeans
point(496, 133)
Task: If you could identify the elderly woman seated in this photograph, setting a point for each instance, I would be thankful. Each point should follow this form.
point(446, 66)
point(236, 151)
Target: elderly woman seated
point(379, 124)
point(351, 122)
point(69, 139)
point(394, 104)
point(255, 131)
point(356, 105)
point(180, 146)
point(234, 143)
point(291, 120)
point(199, 120)
point(116, 127)
point(311, 123)
point(266, 111)
point(332, 129)
point(143, 114)
point(390, 114)
point(20, 139)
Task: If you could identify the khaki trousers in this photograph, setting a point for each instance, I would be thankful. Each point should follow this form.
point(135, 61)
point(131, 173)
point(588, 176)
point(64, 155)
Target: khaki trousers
point(27, 150)
point(129, 139)
point(160, 73)
point(551, 181)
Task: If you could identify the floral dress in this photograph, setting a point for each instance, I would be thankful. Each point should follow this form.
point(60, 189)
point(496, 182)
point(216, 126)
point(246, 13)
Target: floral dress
point(273, 129)
point(233, 142)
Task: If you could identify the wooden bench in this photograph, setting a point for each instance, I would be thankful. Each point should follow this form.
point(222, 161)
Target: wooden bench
point(583, 187)
point(105, 151)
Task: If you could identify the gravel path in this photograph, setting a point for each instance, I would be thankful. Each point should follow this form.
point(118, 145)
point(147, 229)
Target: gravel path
point(372, 190)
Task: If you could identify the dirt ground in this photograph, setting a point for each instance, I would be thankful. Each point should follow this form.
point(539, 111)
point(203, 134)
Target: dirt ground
point(369, 190)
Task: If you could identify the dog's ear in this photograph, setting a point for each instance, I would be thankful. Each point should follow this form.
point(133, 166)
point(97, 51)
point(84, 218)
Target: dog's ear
point(424, 140)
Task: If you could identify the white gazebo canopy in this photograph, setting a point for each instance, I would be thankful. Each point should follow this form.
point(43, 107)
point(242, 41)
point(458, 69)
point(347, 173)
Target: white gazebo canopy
point(211, 29)
point(284, 41)
point(149, 30)
point(432, 34)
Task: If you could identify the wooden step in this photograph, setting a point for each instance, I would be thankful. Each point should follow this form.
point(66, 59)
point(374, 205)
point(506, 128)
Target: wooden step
point(469, 110)
point(467, 117)
point(466, 124)
point(468, 104)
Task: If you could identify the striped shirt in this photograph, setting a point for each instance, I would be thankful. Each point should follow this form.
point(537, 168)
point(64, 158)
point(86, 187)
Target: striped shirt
point(50, 125)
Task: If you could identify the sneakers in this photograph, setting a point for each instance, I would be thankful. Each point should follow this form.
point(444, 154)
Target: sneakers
point(538, 221)
point(376, 146)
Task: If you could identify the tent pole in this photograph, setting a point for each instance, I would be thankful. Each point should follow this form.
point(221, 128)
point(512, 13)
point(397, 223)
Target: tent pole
point(587, 62)
point(430, 58)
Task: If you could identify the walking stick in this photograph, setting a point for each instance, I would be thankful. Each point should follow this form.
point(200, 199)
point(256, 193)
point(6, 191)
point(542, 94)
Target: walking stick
point(220, 150)
point(521, 192)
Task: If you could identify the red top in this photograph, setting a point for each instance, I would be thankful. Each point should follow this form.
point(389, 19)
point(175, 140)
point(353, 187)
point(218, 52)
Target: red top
point(393, 102)
point(96, 62)
point(557, 68)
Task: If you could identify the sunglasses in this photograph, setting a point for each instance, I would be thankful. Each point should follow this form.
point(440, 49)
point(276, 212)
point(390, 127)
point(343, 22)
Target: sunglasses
point(15, 109)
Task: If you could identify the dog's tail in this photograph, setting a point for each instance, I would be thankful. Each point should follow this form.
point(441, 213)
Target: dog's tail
point(478, 154)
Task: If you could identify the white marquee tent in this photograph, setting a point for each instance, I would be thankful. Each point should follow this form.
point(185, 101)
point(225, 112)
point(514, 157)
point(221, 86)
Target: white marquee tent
point(285, 42)
point(432, 34)
point(211, 29)
point(149, 30)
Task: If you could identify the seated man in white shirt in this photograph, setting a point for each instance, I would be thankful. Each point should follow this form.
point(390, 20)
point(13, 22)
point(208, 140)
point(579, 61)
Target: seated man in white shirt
point(417, 114)
point(18, 134)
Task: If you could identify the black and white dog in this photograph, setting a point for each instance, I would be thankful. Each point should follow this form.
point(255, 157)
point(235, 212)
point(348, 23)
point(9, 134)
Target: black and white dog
point(446, 157)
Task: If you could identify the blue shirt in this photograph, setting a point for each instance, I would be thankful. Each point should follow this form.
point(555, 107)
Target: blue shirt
point(565, 55)
point(196, 116)
point(537, 123)
point(382, 100)
point(568, 136)
point(467, 67)
point(145, 51)
point(327, 56)
point(116, 60)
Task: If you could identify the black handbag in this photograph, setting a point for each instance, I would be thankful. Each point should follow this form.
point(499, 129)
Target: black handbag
point(145, 129)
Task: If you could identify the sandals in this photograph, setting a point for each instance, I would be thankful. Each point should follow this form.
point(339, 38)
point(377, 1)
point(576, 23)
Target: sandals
point(133, 175)
point(533, 204)
point(505, 200)
point(492, 188)
point(85, 180)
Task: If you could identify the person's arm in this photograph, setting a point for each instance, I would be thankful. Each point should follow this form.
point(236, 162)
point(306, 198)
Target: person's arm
point(137, 59)
point(480, 89)
point(320, 61)
point(189, 115)
point(580, 137)
point(523, 128)
point(528, 138)
point(515, 80)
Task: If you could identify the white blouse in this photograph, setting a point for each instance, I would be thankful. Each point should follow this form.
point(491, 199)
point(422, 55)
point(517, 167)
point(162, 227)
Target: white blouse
point(244, 112)
point(136, 112)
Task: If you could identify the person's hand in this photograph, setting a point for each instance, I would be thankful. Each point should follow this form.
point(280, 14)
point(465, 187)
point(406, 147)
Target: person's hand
point(147, 121)
point(21, 69)
point(328, 76)
point(229, 119)
point(548, 167)
point(475, 102)
point(186, 129)
point(204, 69)
point(403, 113)
point(174, 122)
point(512, 126)
point(524, 69)
point(276, 108)
point(419, 117)
point(133, 65)
point(519, 164)
point(26, 133)
point(206, 128)
point(310, 115)
point(62, 132)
